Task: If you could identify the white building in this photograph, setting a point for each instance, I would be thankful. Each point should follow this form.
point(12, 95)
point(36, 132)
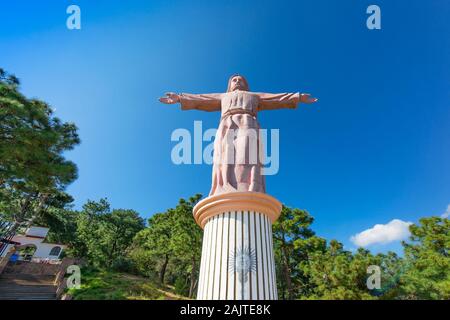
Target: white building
point(36, 236)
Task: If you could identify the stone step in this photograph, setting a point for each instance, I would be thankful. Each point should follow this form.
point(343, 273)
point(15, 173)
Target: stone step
point(27, 279)
point(25, 283)
point(28, 297)
point(25, 289)
point(31, 277)
point(15, 286)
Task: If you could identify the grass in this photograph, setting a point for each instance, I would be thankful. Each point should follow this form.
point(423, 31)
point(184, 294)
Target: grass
point(107, 285)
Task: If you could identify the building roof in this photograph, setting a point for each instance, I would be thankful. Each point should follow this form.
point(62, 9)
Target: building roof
point(36, 232)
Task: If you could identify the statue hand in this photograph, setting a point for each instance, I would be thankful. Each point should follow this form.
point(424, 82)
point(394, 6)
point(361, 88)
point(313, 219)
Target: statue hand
point(170, 98)
point(306, 98)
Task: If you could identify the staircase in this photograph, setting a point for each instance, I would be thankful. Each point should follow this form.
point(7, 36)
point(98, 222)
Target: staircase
point(27, 287)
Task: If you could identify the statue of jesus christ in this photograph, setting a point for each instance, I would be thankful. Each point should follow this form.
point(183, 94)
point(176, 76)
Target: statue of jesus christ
point(239, 108)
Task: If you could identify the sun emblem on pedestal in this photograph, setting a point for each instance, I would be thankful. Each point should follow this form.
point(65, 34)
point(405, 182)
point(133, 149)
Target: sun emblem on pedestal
point(243, 262)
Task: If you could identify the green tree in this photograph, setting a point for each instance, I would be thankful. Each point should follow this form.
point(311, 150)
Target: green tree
point(337, 274)
point(89, 228)
point(155, 240)
point(104, 236)
point(59, 217)
point(120, 228)
point(186, 241)
point(293, 242)
point(392, 267)
point(33, 169)
point(171, 246)
point(427, 274)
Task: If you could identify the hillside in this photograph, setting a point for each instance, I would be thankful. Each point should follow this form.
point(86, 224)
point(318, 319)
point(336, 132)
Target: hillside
point(107, 285)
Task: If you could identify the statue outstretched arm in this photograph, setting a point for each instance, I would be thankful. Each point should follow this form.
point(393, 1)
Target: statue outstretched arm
point(189, 101)
point(270, 101)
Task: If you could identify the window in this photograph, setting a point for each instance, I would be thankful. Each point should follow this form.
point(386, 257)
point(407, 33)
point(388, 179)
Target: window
point(55, 251)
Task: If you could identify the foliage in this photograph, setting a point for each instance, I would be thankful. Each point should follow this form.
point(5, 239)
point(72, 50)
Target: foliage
point(171, 246)
point(181, 286)
point(106, 285)
point(32, 141)
point(339, 274)
point(428, 262)
point(33, 169)
point(102, 235)
point(152, 245)
point(293, 242)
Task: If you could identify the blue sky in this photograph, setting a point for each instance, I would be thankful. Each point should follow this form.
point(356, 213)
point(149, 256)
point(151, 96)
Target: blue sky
point(373, 149)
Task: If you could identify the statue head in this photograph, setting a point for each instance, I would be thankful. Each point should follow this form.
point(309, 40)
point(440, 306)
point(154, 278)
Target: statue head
point(236, 82)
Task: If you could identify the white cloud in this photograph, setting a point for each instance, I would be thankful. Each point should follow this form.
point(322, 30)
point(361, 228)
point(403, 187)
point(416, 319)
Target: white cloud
point(382, 233)
point(446, 214)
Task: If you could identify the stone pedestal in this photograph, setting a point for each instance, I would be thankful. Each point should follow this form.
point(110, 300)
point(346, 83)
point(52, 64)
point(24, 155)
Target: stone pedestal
point(237, 254)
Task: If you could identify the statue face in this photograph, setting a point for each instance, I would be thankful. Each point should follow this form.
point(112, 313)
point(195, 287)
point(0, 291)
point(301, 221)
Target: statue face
point(238, 83)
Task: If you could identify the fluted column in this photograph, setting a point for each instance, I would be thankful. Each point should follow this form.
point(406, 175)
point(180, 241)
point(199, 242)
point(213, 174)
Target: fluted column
point(237, 254)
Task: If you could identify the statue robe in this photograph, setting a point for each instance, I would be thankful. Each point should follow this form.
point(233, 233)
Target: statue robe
point(237, 146)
